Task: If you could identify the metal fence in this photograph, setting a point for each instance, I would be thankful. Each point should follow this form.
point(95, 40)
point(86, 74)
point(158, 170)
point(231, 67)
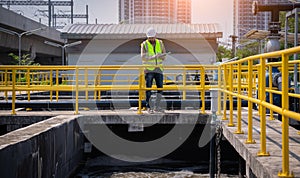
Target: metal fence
point(250, 73)
point(55, 79)
point(241, 80)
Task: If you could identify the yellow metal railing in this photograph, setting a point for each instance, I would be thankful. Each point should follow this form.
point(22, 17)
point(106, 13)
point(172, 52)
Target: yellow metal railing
point(87, 79)
point(242, 80)
point(253, 70)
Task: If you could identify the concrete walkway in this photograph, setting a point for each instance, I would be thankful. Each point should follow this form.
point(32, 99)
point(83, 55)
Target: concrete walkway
point(268, 166)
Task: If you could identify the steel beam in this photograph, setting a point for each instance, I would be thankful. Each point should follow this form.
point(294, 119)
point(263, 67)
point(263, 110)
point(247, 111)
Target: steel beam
point(36, 3)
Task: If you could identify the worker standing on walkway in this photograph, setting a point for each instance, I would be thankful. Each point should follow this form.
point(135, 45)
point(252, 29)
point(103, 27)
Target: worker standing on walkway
point(153, 54)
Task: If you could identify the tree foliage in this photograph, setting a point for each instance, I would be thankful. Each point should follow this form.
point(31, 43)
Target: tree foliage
point(223, 52)
point(291, 22)
point(241, 52)
point(25, 59)
point(248, 50)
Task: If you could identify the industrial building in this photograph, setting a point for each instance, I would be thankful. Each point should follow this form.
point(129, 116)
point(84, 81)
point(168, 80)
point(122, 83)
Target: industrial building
point(119, 44)
point(154, 11)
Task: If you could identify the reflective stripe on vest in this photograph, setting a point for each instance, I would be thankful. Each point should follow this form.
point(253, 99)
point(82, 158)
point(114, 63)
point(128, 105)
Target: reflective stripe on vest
point(154, 63)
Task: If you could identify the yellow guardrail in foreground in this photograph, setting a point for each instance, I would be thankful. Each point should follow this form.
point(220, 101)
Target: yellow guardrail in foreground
point(256, 70)
point(241, 80)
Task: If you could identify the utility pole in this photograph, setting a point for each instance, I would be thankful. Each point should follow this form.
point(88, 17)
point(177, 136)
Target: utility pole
point(49, 13)
point(233, 37)
point(72, 13)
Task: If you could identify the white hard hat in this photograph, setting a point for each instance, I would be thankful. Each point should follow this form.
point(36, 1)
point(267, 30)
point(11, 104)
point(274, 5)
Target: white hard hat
point(151, 32)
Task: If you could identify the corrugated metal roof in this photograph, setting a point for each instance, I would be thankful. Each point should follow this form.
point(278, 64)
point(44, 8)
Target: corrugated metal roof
point(130, 31)
point(263, 34)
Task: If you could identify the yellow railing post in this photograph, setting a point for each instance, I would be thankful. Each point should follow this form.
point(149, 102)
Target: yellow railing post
point(6, 84)
point(219, 92)
point(250, 104)
point(95, 84)
point(203, 89)
point(13, 99)
point(230, 78)
point(184, 84)
point(225, 94)
point(258, 89)
point(28, 83)
point(263, 144)
point(239, 102)
point(285, 120)
point(19, 78)
point(34, 80)
point(57, 75)
point(19, 82)
point(99, 95)
point(144, 85)
point(141, 87)
point(77, 91)
point(95, 94)
point(86, 84)
point(270, 93)
point(51, 84)
point(99, 83)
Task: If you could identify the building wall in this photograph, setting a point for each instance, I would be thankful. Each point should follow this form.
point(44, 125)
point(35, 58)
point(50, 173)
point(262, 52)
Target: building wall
point(127, 52)
point(244, 20)
point(154, 11)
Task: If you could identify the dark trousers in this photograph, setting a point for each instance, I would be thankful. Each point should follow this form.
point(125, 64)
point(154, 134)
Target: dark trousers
point(159, 84)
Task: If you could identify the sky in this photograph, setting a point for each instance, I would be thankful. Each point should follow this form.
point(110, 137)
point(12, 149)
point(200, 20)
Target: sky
point(106, 11)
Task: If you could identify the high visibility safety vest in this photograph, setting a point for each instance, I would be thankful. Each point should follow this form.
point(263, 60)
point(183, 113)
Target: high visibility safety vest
point(154, 63)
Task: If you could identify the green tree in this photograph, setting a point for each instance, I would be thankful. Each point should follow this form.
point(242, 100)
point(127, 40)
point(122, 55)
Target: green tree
point(223, 52)
point(291, 22)
point(25, 59)
point(248, 50)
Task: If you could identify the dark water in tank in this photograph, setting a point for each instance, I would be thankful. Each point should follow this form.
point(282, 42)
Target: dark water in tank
point(186, 161)
point(104, 166)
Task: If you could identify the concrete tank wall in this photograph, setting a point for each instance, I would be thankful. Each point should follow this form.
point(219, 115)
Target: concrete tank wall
point(51, 148)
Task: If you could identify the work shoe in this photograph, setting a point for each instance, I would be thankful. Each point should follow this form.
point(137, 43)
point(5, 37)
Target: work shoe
point(150, 111)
